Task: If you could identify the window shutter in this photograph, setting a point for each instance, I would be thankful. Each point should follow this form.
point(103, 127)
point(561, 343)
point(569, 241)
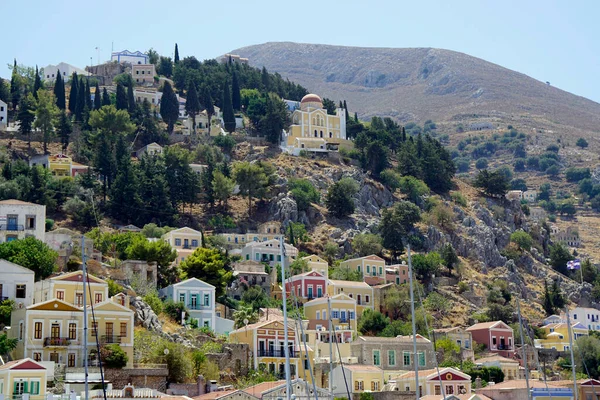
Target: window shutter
point(14, 388)
point(25, 387)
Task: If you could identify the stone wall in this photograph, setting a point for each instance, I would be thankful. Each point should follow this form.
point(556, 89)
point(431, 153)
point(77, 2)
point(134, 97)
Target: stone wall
point(151, 378)
point(234, 360)
point(391, 395)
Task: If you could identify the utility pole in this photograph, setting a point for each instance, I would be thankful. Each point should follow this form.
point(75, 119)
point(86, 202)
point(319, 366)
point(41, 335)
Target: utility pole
point(414, 326)
point(286, 347)
point(85, 318)
point(523, 347)
point(570, 332)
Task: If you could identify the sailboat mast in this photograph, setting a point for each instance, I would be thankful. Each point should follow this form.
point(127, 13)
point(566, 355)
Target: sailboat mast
point(330, 347)
point(286, 348)
point(523, 347)
point(414, 326)
point(85, 317)
point(570, 332)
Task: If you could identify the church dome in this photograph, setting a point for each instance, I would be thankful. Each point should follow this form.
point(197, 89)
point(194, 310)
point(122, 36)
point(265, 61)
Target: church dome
point(311, 100)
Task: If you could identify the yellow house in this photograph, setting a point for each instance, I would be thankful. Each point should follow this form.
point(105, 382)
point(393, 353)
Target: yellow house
point(508, 366)
point(342, 306)
point(184, 241)
point(69, 288)
point(312, 121)
point(316, 263)
point(21, 377)
point(557, 335)
point(359, 291)
point(369, 266)
point(454, 382)
point(360, 378)
point(266, 341)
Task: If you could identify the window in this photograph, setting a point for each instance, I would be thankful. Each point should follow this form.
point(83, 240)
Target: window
point(421, 355)
point(449, 389)
point(60, 294)
point(72, 331)
point(37, 357)
point(391, 357)
point(438, 390)
point(367, 299)
point(19, 388)
point(182, 297)
point(21, 291)
point(177, 242)
point(35, 387)
point(359, 385)
point(376, 358)
point(98, 298)
point(380, 270)
point(94, 329)
point(406, 358)
point(79, 299)
point(351, 315)
point(30, 222)
point(194, 243)
point(109, 330)
point(37, 330)
point(368, 269)
point(207, 300)
point(207, 324)
point(71, 360)
point(335, 314)
point(318, 314)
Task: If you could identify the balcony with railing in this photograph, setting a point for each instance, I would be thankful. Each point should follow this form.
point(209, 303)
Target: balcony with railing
point(110, 339)
point(502, 347)
point(57, 342)
point(275, 353)
point(12, 227)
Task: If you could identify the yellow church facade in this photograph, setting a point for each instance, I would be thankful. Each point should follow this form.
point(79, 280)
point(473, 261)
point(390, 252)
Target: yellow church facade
point(312, 129)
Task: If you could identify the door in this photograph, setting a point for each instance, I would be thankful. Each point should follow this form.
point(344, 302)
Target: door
point(55, 331)
point(109, 332)
point(54, 357)
point(271, 348)
point(343, 316)
point(186, 243)
point(11, 222)
point(310, 292)
point(261, 348)
point(319, 291)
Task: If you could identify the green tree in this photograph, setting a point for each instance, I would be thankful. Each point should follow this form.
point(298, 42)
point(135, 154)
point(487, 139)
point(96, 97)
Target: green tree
point(182, 180)
point(122, 103)
point(45, 115)
point(303, 192)
point(176, 56)
point(450, 352)
point(37, 83)
point(169, 107)
point(64, 128)
point(125, 201)
point(396, 223)
point(59, 91)
point(366, 244)
point(236, 98)
point(522, 239)
point(449, 257)
point(559, 256)
point(256, 297)
point(339, 200)
point(492, 183)
point(425, 266)
point(4, 91)
point(131, 106)
point(6, 308)
point(558, 300)
point(210, 266)
point(88, 96)
point(16, 86)
point(275, 119)
point(222, 187)
point(192, 104)
point(97, 97)
point(113, 356)
point(228, 115)
point(244, 313)
point(581, 142)
point(26, 116)
point(587, 358)
point(7, 344)
point(481, 163)
point(30, 253)
point(165, 67)
point(209, 106)
point(81, 100)
point(413, 188)
point(252, 180)
point(105, 98)
point(372, 322)
point(547, 300)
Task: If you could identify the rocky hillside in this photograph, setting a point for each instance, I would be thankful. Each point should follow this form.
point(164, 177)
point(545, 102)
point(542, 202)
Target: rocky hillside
point(425, 83)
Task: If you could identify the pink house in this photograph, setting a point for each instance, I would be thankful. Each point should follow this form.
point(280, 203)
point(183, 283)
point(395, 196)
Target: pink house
point(496, 335)
point(309, 285)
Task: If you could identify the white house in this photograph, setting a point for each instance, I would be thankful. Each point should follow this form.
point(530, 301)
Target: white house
point(269, 251)
point(66, 70)
point(3, 114)
point(199, 300)
point(133, 57)
point(184, 240)
point(152, 149)
point(586, 316)
point(19, 219)
point(16, 283)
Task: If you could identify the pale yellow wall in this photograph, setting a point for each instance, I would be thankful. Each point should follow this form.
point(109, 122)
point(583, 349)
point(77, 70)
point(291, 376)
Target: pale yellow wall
point(367, 377)
point(9, 377)
point(354, 292)
point(48, 289)
point(359, 264)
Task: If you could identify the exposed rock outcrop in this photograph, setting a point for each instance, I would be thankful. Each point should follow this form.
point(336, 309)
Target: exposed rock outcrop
point(144, 316)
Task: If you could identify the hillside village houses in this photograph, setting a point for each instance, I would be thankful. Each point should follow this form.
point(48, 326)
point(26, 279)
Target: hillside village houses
point(16, 283)
point(22, 379)
point(20, 219)
point(66, 70)
point(557, 335)
point(184, 241)
point(497, 337)
point(3, 114)
point(569, 236)
point(59, 165)
point(132, 57)
point(269, 252)
point(270, 230)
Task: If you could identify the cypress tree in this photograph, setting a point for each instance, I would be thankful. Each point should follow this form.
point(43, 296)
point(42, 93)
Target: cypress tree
point(265, 79)
point(73, 93)
point(192, 104)
point(125, 201)
point(59, 91)
point(228, 115)
point(209, 106)
point(26, 116)
point(105, 98)
point(80, 106)
point(88, 95)
point(236, 97)
point(176, 57)
point(169, 107)
point(64, 129)
point(122, 103)
point(37, 83)
point(130, 99)
point(346, 108)
point(356, 118)
point(15, 86)
point(97, 98)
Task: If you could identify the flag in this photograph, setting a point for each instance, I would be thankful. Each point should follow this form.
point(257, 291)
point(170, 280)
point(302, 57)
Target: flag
point(575, 264)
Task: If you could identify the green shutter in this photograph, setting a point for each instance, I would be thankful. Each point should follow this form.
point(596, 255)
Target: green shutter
point(14, 388)
point(25, 387)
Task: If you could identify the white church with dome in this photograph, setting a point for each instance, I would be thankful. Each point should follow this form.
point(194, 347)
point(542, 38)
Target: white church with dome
point(314, 130)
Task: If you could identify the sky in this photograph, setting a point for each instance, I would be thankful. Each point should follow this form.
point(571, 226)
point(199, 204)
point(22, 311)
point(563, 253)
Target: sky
point(549, 40)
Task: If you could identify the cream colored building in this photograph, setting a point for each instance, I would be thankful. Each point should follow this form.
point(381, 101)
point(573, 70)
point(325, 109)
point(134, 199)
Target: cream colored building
point(143, 73)
point(23, 377)
point(152, 149)
point(342, 307)
point(313, 129)
point(269, 252)
point(369, 266)
point(454, 382)
point(508, 366)
point(316, 263)
point(69, 288)
point(359, 291)
point(20, 219)
point(185, 241)
point(360, 378)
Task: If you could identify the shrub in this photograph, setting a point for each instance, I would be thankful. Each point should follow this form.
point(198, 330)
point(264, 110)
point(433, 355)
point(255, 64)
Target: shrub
point(519, 164)
point(462, 164)
point(462, 287)
point(482, 163)
point(114, 356)
point(577, 174)
point(581, 142)
point(390, 178)
point(553, 148)
point(522, 239)
point(114, 288)
point(413, 188)
point(459, 199)
point(304, 193)
point(518, 184)
point(154, 302)
point(533, 162)
point(49, 224)
point(174, 310)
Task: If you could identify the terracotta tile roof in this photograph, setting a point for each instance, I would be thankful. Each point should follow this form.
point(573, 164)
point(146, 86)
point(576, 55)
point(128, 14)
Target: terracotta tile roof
point(258, 390)
point(483, 325)
point(17, 202)
point(214, 395)
point(407, 339)
point(360, 367)
point(519, 384)
point(495, 358)
point(471, 396)
point(349, 283)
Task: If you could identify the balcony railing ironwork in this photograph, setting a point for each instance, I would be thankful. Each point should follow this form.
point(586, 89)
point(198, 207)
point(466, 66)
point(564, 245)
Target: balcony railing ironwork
point(11, 227)
point(110, 339)
point(275, 353)
point(56, 342)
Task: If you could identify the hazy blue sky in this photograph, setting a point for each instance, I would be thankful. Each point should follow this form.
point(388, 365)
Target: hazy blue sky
point(556, 41)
